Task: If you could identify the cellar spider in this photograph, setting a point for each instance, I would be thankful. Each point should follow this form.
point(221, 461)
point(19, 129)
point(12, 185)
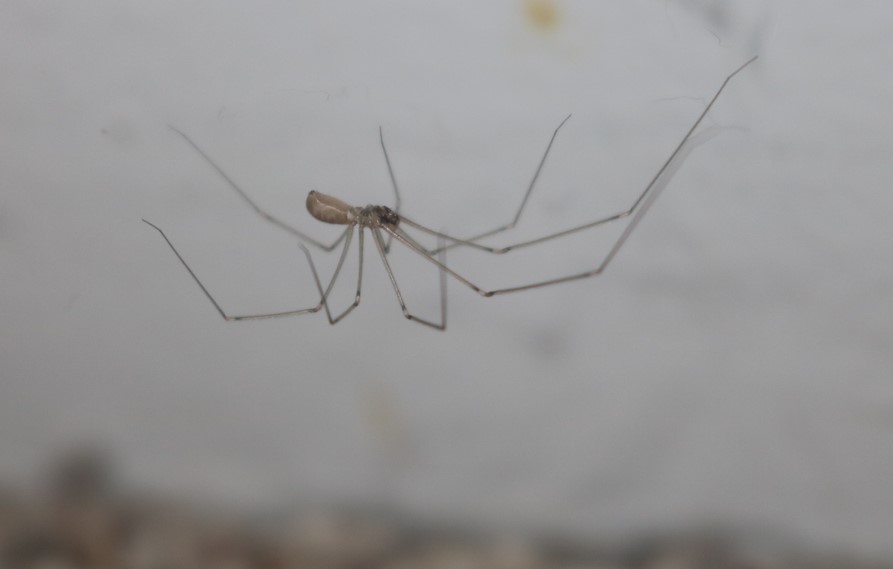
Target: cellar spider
point(380, 220)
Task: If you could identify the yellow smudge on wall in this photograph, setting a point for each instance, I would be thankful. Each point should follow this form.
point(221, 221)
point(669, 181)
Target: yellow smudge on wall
point(542, 14)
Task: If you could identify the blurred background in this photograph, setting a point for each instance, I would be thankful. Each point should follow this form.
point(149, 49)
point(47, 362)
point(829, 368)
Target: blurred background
point(720, 396)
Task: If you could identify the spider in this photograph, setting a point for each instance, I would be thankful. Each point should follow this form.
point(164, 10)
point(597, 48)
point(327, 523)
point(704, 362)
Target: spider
point(381, 220)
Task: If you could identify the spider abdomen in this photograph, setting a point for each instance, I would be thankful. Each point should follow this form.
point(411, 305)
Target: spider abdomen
point(330, 210)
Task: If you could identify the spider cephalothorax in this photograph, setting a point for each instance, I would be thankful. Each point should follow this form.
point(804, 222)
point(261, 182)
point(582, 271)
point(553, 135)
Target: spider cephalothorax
point(386, 216)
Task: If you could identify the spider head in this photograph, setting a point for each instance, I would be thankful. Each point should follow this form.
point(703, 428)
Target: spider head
point(387, 216)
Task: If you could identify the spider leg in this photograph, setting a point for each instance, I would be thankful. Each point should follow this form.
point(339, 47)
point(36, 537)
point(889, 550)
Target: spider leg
point(663, 175)
point(470, 241)
point(637, 211)
point(536, 174)
point(661, 183)
point(356, 301)
point(384, 150)
point(229, 317)
point(260, 211)
point(379, 243)
point(402, 237)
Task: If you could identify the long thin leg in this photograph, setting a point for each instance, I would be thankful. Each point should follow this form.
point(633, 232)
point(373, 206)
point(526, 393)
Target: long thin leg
point(217, 306)
point(387, 160)
point(356, 301)
point(379, 243)
point(663, 181)
point(625, 213)
point(456, 241)
point(539, 168)
point(263, 213)
point(639, 208)
point(470, 241)
point(402, 237)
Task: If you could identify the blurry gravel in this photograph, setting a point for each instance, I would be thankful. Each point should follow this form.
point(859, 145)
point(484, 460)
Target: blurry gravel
point(82, 521)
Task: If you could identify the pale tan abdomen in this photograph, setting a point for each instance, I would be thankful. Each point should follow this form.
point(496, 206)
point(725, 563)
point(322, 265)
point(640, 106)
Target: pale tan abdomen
point(329, 210)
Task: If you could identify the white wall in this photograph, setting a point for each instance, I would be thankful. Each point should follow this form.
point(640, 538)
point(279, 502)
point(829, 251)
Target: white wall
point(733, 364)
